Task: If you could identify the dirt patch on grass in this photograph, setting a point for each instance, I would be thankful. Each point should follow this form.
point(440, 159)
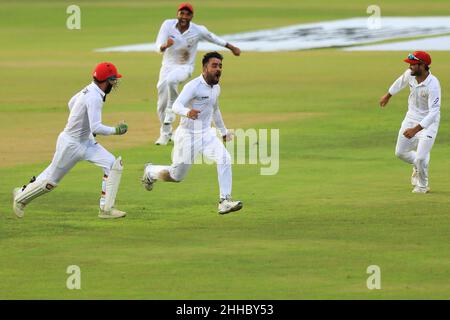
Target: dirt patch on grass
point(31, 137)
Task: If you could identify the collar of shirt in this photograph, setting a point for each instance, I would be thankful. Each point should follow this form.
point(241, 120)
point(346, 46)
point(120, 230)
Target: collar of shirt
point(425, 82)
point(100, 91)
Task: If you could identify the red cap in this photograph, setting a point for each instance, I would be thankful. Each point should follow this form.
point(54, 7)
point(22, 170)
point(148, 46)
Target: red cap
point(186, 5)
point(105, 70)
point(418, 57)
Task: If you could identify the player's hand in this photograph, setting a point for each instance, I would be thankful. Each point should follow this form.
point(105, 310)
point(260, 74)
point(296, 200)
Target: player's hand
point(385, 99)
point(228, 137)
point(236, 51)
point(411, 132)
point(121, 128)
point(168, 44)
point(193, 114)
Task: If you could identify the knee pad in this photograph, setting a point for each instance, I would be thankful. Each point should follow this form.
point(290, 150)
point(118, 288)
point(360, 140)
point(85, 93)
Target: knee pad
point(112, 183)
point(111, 161)
point(34, 190)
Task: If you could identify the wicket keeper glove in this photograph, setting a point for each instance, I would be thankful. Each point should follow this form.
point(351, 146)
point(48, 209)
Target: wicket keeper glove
point(121, 128)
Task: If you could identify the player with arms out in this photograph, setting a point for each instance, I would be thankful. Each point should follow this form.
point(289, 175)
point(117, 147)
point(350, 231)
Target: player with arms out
point(420, 126)
point(178, 40)
point(198, 104)
point(76, 143)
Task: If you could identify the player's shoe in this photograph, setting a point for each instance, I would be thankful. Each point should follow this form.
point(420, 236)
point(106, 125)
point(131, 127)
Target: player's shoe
point(169, 117)
point(19, 208)
point(414, 177)
point(228, 205)
point(418, 189)
point(111, 214)
point(147, 182)
point(163, 139)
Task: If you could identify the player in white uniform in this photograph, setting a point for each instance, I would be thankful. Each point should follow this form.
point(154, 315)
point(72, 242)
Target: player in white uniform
point(420, 126)
point(198, 104)
point(77, 143)
point(177, 40)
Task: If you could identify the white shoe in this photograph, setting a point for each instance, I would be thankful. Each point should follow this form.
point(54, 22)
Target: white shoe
point(169, 117)
point(163, 139)
point(418, 189)
point(111, 214)
point(19, 208)
point(414, 177)
point(228, 205)
point(147, 182)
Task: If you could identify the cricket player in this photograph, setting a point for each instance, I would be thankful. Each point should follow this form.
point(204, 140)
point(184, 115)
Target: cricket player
point(420, 126)
point(198, 104)
point(76, 143)
point(177, 40)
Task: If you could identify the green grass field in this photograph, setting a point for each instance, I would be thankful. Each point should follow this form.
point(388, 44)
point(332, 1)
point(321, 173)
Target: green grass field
point(340, 202)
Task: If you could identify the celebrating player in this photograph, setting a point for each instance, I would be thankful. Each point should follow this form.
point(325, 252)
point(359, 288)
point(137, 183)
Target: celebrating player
point(77, 143)
point(420, 126)
point(198, 104)
point(177, 40)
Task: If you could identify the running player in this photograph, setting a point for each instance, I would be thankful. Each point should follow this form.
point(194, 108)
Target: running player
point(198, 104)
point(77, 143)
point(177, 40)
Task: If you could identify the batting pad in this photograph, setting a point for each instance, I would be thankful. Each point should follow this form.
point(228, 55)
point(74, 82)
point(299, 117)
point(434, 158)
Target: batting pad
point(34, 190)
point(112, 184)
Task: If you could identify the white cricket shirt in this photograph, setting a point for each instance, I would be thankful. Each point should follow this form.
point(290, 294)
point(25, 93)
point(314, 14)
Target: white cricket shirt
point(197, 94)
point(184, 49)
point(86, 114)
point(424, 100)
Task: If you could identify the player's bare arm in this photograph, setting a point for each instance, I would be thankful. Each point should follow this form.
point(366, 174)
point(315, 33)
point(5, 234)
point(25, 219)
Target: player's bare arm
point(385, 99)
point(235, 50)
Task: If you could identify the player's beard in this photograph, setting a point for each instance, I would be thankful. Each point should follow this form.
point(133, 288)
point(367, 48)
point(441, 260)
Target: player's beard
point(108, 88)
point(214, 78)
point(416, 73)
point(183, 23)
point(111, 85)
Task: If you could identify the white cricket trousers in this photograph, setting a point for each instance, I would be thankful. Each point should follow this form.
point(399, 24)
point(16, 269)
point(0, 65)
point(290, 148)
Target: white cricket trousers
point(70, 151)
point(169, 79)
point(187, 148)
point(416, 150)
